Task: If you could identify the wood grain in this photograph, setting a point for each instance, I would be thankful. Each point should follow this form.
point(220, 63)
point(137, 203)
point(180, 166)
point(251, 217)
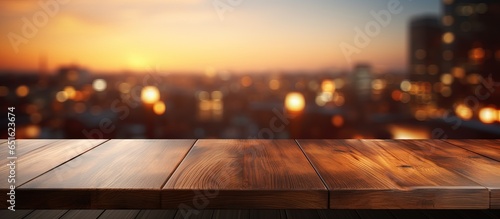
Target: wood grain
point(487, 148)
point(299, 214)
point(43, 214)
point(35, 157)
point(157, 214)
point(363, 174)
point(82, 214)
point(245, 174)
point(480, 169)
point(38, 156)
point(259, 214)
point(267, 214)
point(24, 146)
point(473, 214)
point(118, 174)
point(409, 214)
point(121, 214)
point(204, 214)
point(492, 143)
point(234, 214)
point(254, 174)
point(368, 214)
point(346, 171)
point(337, 213)
point(451, 189)
point(18, 214)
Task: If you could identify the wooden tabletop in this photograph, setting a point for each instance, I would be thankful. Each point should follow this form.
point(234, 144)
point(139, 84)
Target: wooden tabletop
point(193, 175)
point(251, 214)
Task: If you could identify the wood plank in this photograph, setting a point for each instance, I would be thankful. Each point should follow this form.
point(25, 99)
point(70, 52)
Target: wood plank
point(408, 214)
point(346, 171)
point(480, 169)
point(338, 213)
point(452, 190)
point(156, 214)
point(204, 214)
point(408, 169)
point(495, 213)
point(474, 214)
point(299, 214)
point(122, 214)
point(24, 146)
point(361, 175)
point(234, 214)
point(82, 214)
point(43, 214)
point(481, 147)
point(443, 214)
point(18, 214)
point(492, 143)
point(245, 174)
point(118, 174)
point(374, 214)
point(495, 198)
point(267, 214)
point(37, 157)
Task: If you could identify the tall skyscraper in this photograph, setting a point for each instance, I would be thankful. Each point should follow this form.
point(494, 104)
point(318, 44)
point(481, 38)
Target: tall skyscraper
point(424, 58)
point(455, 61)
point(471, 47)
point(362, 79)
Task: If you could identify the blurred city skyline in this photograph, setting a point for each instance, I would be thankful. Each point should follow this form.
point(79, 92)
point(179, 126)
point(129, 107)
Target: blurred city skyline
point(193, 36)
point(321, 69)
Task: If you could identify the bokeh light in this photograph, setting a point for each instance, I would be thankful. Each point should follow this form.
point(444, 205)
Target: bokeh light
point(217, 95)
point(22, 91)
point(70, 92)
point(447, 79)
point(32, 131)
point(405, 86)
point(274, 84)
point(463, 112)
point(337, 121)
point(448, 37)
point(246, 81)
point(203, 95)
point(99, 85)
point(124, 87)
point(61, 96)
point(159, 108)
point(328, 86)
point(295, 102)
point(488, 115)
point(150, 94)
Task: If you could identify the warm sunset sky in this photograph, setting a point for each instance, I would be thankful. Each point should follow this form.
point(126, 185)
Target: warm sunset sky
point(189, 35)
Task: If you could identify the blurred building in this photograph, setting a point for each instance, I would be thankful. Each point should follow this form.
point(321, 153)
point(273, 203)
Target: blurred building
point(361, 81)
point(73, 76)
point(361, 85)
point(43, 70)
point(454, 62)
point(471, 47)
point(424, 58)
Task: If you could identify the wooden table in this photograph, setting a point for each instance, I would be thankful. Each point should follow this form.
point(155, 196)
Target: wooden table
point(251, 214)
point(191, 175)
